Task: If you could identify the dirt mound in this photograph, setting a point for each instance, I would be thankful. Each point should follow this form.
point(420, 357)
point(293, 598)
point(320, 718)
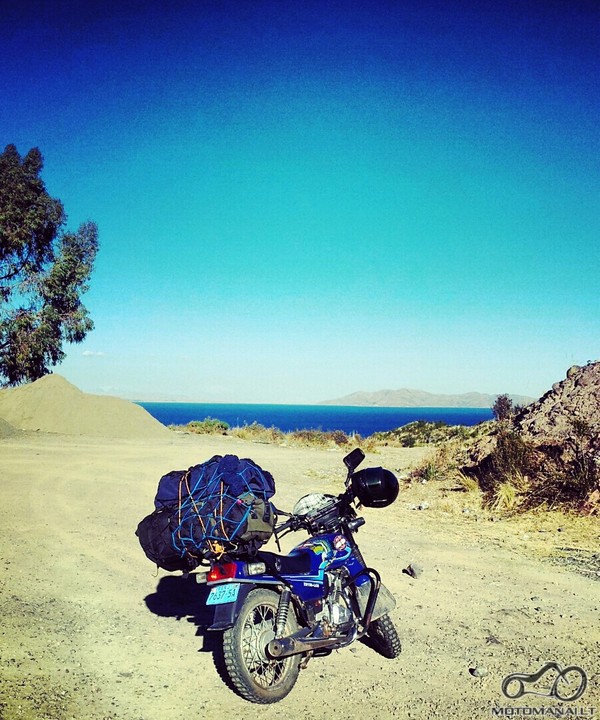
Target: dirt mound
point(550, 451)
point(53, 405)
point(7, 430)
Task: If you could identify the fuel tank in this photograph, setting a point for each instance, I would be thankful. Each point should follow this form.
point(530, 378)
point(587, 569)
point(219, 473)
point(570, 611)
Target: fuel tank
point(325, 552)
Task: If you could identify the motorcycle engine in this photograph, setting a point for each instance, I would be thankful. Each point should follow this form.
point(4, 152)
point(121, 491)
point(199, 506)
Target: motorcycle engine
point(336, 610)
point(339, 614)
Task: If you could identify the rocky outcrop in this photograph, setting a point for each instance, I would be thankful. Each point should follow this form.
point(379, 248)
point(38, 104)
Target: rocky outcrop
point(567, 418)
point(552, 444)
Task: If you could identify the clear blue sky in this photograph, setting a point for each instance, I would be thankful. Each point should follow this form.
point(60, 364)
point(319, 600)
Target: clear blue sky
point(300, 199)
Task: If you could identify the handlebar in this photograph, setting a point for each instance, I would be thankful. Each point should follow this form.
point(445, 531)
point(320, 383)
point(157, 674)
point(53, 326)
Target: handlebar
point(292, 524)
point(297, 522)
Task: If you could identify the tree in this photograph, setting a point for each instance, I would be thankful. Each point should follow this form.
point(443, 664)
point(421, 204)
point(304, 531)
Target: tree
point(44, 270)
point(502, 408)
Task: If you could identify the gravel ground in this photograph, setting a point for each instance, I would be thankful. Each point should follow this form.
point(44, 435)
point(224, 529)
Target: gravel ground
point(90, 631)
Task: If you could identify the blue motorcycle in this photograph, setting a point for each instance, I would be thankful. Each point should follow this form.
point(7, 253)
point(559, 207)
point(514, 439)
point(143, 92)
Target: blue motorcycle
point(276, 612)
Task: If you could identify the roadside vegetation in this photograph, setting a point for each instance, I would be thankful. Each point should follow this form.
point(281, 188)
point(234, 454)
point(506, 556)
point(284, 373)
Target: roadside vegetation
point(512, 475)
point(488, 482)
point(499, 469)
point(416, 434)
point(255, 432)
point(518, 476)
point(422, 433)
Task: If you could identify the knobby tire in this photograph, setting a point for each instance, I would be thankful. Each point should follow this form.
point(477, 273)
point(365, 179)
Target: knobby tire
point(253, 673)
point(384, 637)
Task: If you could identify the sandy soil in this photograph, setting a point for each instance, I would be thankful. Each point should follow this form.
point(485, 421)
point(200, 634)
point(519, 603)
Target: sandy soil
point(89, 630)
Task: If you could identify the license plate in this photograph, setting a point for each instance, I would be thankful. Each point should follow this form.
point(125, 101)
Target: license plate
point(223, 594)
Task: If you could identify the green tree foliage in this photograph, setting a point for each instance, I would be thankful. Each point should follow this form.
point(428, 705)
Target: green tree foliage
point(44, 270)
point(502, 408)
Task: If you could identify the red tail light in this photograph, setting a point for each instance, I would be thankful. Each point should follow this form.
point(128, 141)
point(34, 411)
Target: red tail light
point(222, 572)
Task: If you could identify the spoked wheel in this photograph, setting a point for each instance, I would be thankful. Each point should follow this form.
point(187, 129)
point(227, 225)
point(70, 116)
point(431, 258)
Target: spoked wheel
point(384, 637)
point(253, 673)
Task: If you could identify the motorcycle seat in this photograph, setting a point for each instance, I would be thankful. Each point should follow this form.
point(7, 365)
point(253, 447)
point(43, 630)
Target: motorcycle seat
point(297, 564)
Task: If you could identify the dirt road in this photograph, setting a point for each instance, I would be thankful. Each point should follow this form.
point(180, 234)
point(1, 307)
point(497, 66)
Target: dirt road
point(89, 631)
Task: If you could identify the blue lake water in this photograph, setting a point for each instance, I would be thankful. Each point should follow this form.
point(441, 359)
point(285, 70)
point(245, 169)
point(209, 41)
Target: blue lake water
point(362, 420)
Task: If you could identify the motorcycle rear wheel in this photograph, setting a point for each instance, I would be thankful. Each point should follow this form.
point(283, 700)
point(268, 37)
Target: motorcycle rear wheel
point(384, 637)
point(255, 675)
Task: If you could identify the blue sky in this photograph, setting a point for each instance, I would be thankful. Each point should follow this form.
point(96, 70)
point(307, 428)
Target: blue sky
point(297, 200)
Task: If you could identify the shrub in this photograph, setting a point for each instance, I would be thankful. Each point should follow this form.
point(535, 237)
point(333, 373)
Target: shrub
point(308, 437)
point(504, 497)
point(255, 432)
point(422, 432)
point(510, 493)
point(570, 483)
point(441, 466)
point(319, 437)
point(208, 426)
point(512, 456)
point(339, 437)
point(518, 476)
point(466, 483)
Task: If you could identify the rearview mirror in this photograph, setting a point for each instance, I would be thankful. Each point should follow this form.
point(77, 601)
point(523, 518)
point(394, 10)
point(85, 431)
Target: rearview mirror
point(354, 459)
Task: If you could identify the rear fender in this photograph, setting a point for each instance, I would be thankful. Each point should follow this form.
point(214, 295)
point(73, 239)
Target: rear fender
point(227, 613)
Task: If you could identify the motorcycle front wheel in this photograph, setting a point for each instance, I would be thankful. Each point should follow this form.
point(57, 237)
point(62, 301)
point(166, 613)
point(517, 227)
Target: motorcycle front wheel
point(384, 637)
point(255, 675)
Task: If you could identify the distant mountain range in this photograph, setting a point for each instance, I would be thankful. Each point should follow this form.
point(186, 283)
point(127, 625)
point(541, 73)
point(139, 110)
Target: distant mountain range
point(406, 397)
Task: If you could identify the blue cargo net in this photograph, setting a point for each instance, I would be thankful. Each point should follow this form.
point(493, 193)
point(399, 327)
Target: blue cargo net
point(215, 502)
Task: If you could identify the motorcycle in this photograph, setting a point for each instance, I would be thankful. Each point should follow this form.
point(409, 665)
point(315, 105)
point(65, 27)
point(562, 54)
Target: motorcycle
point(276, 612)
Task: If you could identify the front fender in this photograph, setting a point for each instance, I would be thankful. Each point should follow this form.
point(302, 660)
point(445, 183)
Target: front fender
point(226, 614)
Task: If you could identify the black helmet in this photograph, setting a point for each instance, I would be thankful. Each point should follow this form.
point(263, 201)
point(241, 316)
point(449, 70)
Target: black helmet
point(375, 487)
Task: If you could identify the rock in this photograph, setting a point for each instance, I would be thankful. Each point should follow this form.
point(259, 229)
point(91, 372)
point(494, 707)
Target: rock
point(572, 371)
point(478, 671)
point(414, 570)
point(556, 417)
